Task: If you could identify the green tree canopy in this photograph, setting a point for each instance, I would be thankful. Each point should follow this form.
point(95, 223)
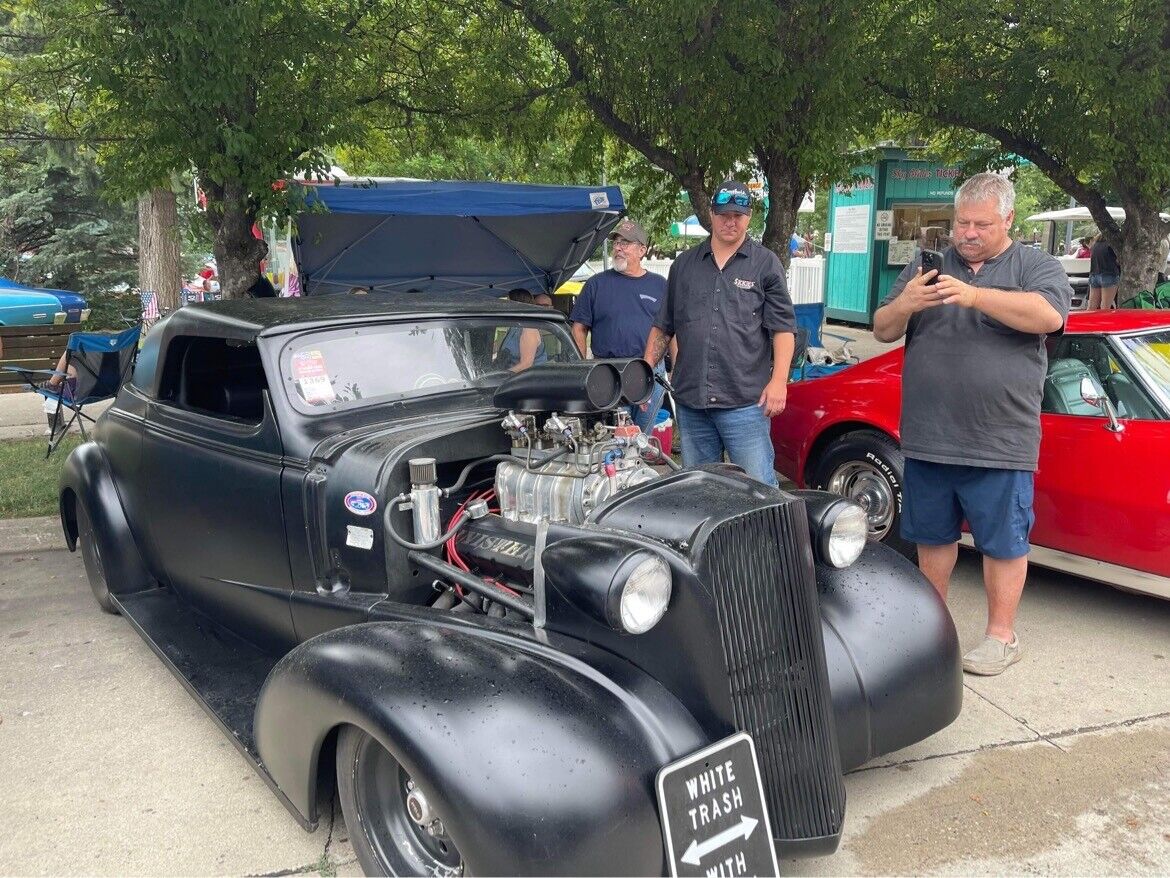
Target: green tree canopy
point(705, 89)
point(1082, 92)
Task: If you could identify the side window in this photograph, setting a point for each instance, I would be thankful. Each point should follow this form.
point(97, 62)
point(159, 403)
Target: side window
point(1073, 358)
point(214, 376)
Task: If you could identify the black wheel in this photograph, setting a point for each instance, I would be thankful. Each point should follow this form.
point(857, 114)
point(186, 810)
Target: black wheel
point(91, 555)
point(867, 466)
point(393, 829)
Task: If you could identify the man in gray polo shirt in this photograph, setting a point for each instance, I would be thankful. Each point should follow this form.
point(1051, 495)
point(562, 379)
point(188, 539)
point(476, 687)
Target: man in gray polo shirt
point(727, 306)
point(971, 390)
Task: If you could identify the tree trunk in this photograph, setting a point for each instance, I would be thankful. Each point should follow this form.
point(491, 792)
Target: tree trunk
point(1140, 253)
point(159, 268)
point(785, 192)
point(237, 253)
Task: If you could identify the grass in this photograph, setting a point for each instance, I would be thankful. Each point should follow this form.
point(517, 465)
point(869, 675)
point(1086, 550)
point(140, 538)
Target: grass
point(28, 482)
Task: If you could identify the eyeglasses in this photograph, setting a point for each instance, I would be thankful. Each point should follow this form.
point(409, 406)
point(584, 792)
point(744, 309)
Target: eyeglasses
point(622, 242)
point(737, 198)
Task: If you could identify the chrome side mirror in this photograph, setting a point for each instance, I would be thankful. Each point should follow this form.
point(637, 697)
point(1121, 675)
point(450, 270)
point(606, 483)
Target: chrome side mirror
point(1094, 396)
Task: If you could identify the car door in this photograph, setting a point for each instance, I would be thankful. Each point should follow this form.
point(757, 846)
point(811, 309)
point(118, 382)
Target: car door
point(211, 454)
point(1102, 493)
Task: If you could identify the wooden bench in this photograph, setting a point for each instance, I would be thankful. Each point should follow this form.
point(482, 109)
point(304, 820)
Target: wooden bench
point(32, 347)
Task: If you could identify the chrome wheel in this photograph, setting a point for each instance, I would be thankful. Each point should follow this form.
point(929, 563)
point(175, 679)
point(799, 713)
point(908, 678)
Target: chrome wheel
point(865, 485)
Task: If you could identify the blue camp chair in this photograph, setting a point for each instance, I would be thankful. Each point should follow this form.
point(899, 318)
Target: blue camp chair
point(810, 335)
point(97, 364)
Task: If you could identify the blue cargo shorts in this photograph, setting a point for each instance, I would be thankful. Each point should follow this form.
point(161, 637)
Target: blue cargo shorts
point(996, 503)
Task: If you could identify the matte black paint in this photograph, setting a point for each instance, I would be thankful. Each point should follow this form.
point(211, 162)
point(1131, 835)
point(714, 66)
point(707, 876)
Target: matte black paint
point(539, 758)
point(258, 546)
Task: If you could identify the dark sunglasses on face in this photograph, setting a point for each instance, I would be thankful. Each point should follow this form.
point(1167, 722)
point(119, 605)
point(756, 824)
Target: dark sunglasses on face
point(736, 198)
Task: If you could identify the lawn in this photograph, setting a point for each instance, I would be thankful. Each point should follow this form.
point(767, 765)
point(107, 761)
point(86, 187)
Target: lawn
point(28, 482)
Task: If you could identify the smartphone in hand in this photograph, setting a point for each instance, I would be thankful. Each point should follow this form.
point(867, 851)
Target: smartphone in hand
point(932, 260)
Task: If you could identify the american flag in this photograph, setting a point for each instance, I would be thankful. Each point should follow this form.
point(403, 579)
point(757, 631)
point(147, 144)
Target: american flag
point(149, 306)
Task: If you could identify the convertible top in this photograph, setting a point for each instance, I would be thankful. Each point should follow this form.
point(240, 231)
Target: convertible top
point(246, 319)
point(480, 238)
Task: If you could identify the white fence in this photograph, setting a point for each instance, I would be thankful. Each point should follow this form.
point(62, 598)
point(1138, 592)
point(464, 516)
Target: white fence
point(806, 277)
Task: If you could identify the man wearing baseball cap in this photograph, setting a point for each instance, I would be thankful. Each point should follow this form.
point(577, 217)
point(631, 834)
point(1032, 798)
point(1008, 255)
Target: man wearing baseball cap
point(617, 307)
point(727, 308)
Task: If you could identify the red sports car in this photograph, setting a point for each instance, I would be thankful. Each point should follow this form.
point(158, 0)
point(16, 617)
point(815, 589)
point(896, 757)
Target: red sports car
point(1103, 486)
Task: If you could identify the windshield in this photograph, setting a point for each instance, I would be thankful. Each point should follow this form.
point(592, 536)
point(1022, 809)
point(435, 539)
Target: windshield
point(1151, 351)
point(357, 366)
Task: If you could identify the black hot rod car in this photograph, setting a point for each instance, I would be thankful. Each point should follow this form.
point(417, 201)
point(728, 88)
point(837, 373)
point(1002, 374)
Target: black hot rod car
point(476, 597)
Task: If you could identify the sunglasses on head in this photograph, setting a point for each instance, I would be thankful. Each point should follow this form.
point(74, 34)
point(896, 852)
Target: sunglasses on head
point(736, 198)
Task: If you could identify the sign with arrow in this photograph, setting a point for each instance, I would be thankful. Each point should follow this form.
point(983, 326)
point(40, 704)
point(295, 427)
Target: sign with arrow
point(713, 811)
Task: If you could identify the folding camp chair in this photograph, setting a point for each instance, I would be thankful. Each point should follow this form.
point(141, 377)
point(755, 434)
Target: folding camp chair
point(96, 366)
point(811, 358)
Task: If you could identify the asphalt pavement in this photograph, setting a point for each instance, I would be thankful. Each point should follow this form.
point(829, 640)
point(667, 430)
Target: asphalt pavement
point(1060, 766)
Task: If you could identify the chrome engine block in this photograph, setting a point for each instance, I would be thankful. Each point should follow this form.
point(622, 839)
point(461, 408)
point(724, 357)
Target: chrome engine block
point(593, 465)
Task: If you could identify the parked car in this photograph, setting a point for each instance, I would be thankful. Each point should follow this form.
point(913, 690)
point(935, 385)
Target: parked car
point(24, 307)
point(1102, 484)
point(72, 305)
point(365, 544)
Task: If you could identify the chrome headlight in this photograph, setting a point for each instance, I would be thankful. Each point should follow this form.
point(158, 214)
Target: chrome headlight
point(618, 582)
point(846, 528)
point(645, 595)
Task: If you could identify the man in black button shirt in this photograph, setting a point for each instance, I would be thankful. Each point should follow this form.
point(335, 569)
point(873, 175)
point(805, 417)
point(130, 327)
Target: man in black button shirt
point(728, 309)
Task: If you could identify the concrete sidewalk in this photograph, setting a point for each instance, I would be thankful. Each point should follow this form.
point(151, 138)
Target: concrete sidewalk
point(1059, 767)
point(22, 415)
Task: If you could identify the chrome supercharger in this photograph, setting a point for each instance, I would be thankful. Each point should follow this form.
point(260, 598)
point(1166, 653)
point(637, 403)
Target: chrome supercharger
point(566, 467)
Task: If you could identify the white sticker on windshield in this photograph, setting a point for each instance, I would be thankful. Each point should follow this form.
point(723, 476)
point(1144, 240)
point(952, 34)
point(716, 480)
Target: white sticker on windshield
point(359, 537)
point(308, 368)
point(599, 200)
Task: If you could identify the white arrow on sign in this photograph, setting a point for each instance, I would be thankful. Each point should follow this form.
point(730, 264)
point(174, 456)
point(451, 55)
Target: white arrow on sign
point(696, 851)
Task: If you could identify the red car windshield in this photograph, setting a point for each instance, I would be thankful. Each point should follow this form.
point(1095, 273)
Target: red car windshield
point(1151, 351)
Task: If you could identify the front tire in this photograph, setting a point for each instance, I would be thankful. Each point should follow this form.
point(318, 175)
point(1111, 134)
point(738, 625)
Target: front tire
point(868, 468)
point(387, 813)
point(91, 556)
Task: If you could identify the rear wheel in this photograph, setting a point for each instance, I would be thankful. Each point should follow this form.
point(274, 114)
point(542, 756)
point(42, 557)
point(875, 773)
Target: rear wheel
point(867, 467)
point(91, 555)
point(393, 828)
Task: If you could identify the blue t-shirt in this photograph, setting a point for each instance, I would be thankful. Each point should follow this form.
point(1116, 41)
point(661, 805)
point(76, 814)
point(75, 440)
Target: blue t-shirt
point(619, 311)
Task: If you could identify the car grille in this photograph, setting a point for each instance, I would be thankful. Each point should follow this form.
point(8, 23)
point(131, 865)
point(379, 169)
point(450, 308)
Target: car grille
point(760, 566)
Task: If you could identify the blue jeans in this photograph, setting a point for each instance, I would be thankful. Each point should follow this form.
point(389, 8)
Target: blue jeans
point(744, 433)
point(645, 419)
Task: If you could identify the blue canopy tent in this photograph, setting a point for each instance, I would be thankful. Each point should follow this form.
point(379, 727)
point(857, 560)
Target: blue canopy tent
point(483, 238)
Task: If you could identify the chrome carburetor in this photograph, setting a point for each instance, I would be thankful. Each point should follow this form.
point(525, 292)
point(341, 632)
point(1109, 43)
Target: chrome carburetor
point(564, 468)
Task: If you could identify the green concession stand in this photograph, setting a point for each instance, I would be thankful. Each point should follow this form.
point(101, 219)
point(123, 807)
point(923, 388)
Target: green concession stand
point(878, 225)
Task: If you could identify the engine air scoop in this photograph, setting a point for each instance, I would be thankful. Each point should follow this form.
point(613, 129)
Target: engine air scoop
point(561, 387)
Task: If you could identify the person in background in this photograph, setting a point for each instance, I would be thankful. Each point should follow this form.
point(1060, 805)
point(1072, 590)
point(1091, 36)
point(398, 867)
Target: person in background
point(616, 308)
point(972, 384)
point(727, 307)
point(1104, 275)
point(521, 347)
point(542, 299)
point(1083, 251)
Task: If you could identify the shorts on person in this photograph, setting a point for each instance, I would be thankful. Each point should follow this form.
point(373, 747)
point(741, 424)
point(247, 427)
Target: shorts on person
point(995, 503)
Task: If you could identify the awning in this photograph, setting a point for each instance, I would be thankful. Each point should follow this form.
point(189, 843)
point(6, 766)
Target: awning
point(483, 238)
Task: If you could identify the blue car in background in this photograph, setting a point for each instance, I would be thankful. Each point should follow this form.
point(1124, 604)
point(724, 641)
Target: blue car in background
point(31, 306)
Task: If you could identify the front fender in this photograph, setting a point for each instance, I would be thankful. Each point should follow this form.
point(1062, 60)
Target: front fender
point(86, 478)
point(538, 762)
point(895, 668)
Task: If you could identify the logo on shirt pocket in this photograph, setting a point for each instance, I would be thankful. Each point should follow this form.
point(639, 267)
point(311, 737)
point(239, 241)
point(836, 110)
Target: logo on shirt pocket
point(745, 284)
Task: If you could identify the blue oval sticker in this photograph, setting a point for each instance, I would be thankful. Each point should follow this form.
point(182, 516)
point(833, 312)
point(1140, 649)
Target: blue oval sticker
point(361, 503)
